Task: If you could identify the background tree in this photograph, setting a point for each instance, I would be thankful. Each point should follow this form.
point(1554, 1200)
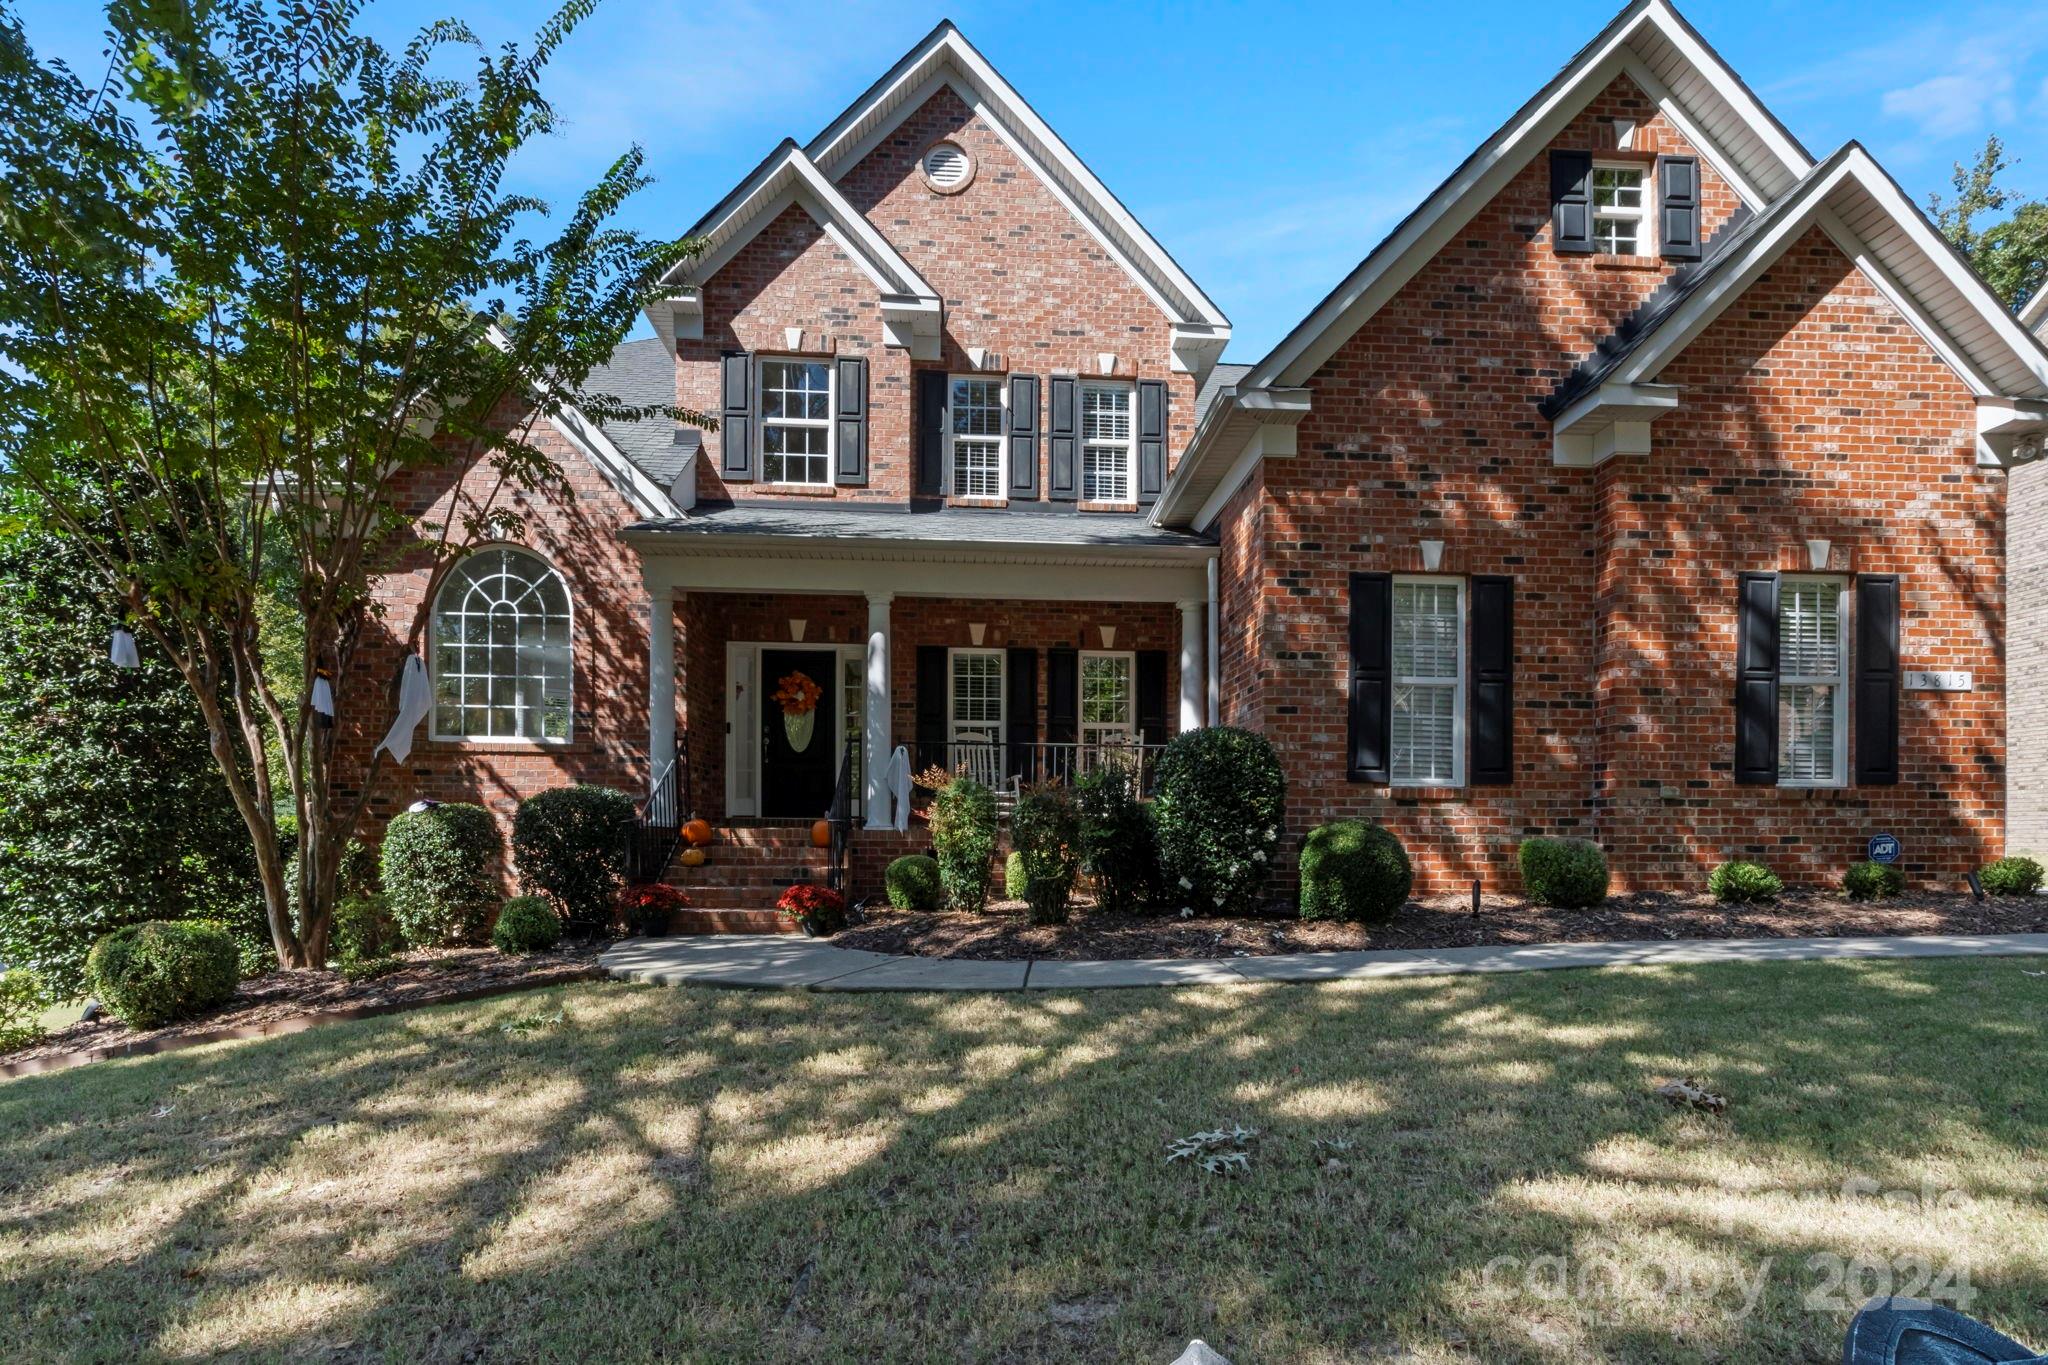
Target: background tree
point(265, 274)
point(112, 810)
point(2011, 251)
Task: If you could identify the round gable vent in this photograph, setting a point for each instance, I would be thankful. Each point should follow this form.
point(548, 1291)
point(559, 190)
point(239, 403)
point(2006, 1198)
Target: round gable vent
point(947, 167)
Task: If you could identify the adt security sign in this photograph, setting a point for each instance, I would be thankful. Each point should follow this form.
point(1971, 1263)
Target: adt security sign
point(1884, 848)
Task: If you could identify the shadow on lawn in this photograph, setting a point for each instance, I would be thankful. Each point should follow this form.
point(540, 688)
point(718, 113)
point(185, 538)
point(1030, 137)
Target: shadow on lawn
point(705, 1175)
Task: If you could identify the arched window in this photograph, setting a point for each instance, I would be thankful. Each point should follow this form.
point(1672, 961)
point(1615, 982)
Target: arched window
point(501, 649)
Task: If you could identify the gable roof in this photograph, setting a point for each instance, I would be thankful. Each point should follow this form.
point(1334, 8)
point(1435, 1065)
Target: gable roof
point(1871, 218)
point(642, 374)
point(2034, 315)
point(944, 57)
point(1651, 43)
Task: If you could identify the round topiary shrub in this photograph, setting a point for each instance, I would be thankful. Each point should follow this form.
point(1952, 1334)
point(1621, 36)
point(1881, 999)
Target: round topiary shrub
point(1015, 882)
point(1218, 813)
point(1743, 882)
point(1119, 844)
point(148, 975)
point(2011, 877)
point(1047, 830)
point(1872, 881)
point(526, 924)
point(912, 882)
point(964, 837)
point(1351, 870)
point(437, 874)
point(1568, 873)
point(570, 845)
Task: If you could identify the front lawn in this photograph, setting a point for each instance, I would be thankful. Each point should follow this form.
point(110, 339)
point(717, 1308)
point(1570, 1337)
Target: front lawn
point(604, 1172)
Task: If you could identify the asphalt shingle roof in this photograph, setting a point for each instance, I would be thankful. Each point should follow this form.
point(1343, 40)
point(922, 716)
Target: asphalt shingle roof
point(1005, 527)
point(643, 373)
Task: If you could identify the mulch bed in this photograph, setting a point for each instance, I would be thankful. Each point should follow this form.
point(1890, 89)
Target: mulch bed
point(283, 1002)
point(1445, 922)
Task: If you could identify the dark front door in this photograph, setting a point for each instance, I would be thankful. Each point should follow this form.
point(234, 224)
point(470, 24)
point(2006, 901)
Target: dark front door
point(799, 756)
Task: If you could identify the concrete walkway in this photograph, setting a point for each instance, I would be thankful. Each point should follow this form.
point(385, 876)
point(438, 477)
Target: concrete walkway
point(813, 964)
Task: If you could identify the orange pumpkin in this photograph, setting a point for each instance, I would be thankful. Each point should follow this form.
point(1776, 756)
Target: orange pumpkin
point(693, 857)
point(821, 834)
point(698, 832)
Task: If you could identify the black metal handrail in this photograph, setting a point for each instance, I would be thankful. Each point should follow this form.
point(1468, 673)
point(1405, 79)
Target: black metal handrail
point(841, 815)
point(998, 763)
point(659, 828)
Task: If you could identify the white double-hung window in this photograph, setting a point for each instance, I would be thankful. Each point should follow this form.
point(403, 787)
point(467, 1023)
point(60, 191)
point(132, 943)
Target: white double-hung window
point(1107, 447)
point(1108, 698)
point(1813, 683)
point(974, 436)
point(977, 692)
point(1428, 723)
point(796, 421)
point(1620, 210)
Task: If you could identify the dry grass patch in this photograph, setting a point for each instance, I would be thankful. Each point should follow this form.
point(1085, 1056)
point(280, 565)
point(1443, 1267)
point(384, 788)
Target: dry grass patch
point(736, 1176)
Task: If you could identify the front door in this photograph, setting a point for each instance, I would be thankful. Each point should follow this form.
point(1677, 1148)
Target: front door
point(799, 731)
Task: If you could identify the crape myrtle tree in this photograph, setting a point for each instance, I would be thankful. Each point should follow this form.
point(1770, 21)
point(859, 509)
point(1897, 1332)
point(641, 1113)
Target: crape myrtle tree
point(263, 275)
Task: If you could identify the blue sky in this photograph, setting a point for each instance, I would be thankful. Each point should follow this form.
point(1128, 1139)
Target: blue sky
point(1268, 146)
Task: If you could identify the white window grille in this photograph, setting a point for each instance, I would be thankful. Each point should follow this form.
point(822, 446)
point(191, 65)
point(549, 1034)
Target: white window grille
point(502, 649)
point(1813, 683)
point(977, 691)
point(1108, 698)
point(1106, 445)
point(1429, 682)
point(974, 430)
point(796, 421)
point(1619, 209)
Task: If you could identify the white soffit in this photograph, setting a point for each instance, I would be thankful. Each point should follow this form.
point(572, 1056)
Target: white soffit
point(945, 58)
point(1647, 39)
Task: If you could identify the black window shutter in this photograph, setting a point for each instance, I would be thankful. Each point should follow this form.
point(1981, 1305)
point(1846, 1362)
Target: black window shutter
point(1493, 681)
point(853, 420)
point(1372, 678)
point(1151, 684)
point(1678, 207)
point(1062, 477)
point(1756, 682)
point(1571, 201)
point(1151, 439)
point(931, 433)
point(1062, 696)
point(1020, 727)
point(933, 707)
point(1877, 681)
point(736, 415)
point(1024, 443)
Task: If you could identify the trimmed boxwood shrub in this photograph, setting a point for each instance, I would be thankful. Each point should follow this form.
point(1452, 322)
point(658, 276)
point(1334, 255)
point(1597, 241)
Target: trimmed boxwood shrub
point(1568, 873)
point(437, 874)
point(1119, 845)
point(1743, 882)
point(2011, 877)
point(912, 882)
point(1014, 880)
point(526, 924)
point(570, 845)
point(1352, 870)
point(1872, 881)
point(148, 975)
point(964, 837)
point(1219, 811)
point(1047, 830)
point(364, 930)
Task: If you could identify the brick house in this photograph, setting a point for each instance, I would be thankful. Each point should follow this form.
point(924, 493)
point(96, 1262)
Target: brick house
point(1624, 491)
point(2027, 636)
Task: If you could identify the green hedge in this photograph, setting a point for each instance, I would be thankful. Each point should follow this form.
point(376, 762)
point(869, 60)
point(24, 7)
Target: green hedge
point(148, 975)
point(1119, 840)
point(364, 930)
point(1219, 813)
point(1047, 831)
point(964, 837)
point(570, 845)
point(1568, 873)
point(1351, 870)
point(912, 882)
point(1015, 881)
point(2011, 877)
point(1872, 881)
point(23, 998)
point(1743, 882)
point(437, 874)
point(526, 924)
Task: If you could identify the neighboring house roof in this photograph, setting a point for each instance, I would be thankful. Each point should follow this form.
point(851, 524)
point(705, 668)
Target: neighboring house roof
point(724, 522)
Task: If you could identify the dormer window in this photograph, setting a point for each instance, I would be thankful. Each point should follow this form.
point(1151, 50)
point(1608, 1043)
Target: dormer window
point(1620, 208)
point(1106, 444)
point(796, 421)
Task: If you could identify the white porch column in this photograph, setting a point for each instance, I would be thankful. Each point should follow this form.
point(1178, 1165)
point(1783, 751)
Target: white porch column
point(1194, 690)
point(661, 679)
point(875, 713)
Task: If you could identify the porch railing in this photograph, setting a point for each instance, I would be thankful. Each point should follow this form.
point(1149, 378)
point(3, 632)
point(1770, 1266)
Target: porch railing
point(841, 814)
point(660, 825)
point(1002, 765)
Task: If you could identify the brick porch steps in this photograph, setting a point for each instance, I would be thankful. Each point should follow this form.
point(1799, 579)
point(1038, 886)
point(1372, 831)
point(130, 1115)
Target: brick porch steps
point(731, 922)
point(746, 870)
